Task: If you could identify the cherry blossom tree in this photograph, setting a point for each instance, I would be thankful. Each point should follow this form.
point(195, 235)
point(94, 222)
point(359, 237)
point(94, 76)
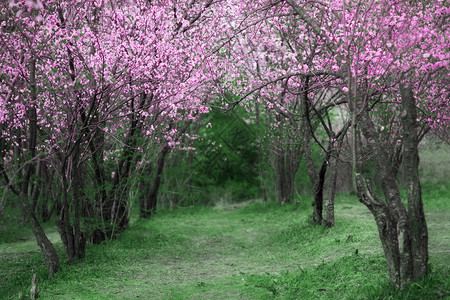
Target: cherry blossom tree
point(83, 78)
point(373, 52)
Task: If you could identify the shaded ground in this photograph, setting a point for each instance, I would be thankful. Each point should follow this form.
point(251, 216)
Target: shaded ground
point(229, 252)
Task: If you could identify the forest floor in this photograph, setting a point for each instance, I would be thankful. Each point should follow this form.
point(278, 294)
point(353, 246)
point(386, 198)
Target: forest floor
point(248, 251)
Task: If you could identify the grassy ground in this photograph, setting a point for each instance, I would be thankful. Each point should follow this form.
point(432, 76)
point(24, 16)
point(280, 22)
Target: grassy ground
point(253, 251)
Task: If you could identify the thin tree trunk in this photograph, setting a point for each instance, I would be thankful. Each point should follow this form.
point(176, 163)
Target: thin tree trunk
point(143, 191)
point(73, 240)
point(64, 228)
point(44, 212)
point(79, 236)
point(281, 178)
point(416, 215)
point(328, 219)
point(36, 187)
point(261, 169)
point(354, 150)
point(291, 170)
point(47, 248)
point(334, 151)
point(152, 197)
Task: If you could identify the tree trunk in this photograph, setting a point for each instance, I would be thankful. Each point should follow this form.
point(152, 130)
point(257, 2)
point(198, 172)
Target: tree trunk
point(354, 149)
point(316, 180)
point(114, 210)
point(281, 176)
point(79, 236)
point(65, 229)
point(416, 215)
point(387, 228)
point(318, 193)
point(333, 153)
point(47, 248)
point(328, 219)
point(391, 216)
point(73, 239)
point(291, 169)
point(261, 169)
point(44, 211)
point(35, 188)
point(144, 190)
point(152, 197)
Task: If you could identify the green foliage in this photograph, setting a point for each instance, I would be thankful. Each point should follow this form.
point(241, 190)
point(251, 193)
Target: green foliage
point(11, 221)
point(224, 163)
point(227, 147)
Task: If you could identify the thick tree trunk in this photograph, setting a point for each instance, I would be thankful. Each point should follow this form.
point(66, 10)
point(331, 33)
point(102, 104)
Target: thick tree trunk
point(47, 248)
point(387, 229)
point(391, 216)
point(416, 215)
point(318, 193)
point(317, 180)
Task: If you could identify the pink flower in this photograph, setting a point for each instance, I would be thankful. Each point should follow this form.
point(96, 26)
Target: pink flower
point(345, 89)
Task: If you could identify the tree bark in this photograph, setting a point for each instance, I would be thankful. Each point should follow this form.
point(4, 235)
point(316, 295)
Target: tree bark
point(281, 176)
point(35, 187)
point(79, 236)
point(391, 216)
point(144, 190)
point(318, 193)
point(328, 219)
point(334, 150)
point(152, 197)
point(47, 248)
point(416, 215)
point(74, 240)
point(317, 180)
point(44, 211)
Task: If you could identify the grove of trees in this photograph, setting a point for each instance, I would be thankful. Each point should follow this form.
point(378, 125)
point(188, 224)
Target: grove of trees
point(107, 103)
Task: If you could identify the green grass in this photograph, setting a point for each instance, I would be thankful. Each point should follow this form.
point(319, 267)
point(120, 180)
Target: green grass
point(241, 251)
